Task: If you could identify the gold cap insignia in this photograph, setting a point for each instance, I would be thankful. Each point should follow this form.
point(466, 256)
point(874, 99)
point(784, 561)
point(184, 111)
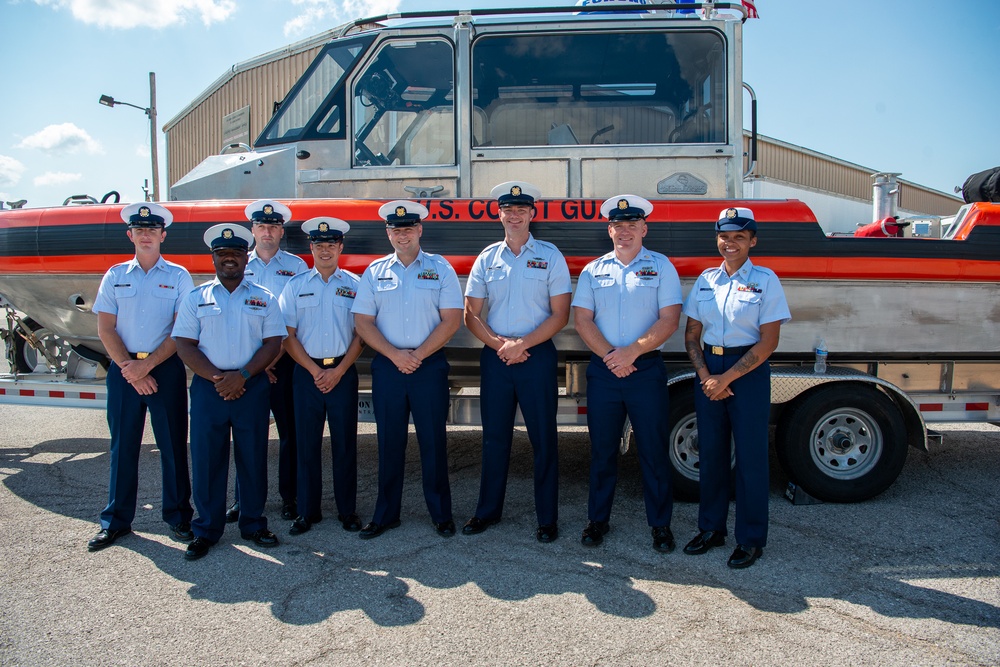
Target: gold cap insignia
point(324, 227)
point(622, 204)
point(731, 213)
point(144, 211)
point(268, 209)
point(227, 233)
point(401, 211)
point(516, 190)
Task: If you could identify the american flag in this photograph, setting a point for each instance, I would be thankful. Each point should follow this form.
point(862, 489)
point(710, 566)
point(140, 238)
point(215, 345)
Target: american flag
point(751, 7)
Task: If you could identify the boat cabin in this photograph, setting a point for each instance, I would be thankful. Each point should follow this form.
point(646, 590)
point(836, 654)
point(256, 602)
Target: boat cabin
point(582, 103)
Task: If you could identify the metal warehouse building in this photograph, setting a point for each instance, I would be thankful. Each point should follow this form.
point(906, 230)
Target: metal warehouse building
point(252, 90)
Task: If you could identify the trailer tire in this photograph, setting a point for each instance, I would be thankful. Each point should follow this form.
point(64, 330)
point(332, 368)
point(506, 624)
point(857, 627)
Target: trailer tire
point(682, 444)
point(843, 443)
point(29, 360)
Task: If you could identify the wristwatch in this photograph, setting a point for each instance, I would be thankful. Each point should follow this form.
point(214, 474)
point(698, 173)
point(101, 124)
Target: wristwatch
point(245, 373)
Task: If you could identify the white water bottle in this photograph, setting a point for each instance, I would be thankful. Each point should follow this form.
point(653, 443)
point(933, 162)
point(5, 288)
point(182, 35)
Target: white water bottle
point(819, 367)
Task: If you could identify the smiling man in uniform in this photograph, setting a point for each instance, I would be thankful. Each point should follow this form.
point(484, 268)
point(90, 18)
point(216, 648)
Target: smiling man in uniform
point(227, 331)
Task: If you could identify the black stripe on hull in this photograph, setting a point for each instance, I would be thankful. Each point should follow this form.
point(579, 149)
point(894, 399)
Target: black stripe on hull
point(574, 239)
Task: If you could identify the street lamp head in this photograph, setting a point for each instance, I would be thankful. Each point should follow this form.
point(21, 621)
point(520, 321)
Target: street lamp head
point(107, 100)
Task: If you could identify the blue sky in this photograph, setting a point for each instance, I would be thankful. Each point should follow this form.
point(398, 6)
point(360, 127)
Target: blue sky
point(894, 85)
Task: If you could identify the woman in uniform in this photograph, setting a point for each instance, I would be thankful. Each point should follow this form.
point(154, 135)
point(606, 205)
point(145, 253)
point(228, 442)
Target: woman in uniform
point(735, 313)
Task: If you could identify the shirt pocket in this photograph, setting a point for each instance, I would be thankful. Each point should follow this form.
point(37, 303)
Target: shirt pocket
point(254, 318)
point(495, 275)
point(126, 291)
point(644, 291)
point(386, 284)
point(747, 306)
point(204, 312)
point(429, 284)
point(166, 299)
point(306, 301)
point(606, 293)
point(536, 274)
point(342, 313)
point(210, 322)
point(428, 293)
point(706, 306)
point(646, 281)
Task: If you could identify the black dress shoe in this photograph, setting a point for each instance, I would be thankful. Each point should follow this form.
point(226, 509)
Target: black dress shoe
point(106, 538)
point(299, 526)
point(704, 541)
point(594, 533)
point(663, 539)
point(198, 548)
point(351, 522)
point(475, 525)
point(289, 511)
point(445, 528)
point(262, 538)
point(744, 556)
point(233, 513)
point(182, 531)
point(375, 529)
point(547, 533)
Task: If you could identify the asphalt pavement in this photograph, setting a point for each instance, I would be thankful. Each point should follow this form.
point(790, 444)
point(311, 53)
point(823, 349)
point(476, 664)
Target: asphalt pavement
point(908, 578)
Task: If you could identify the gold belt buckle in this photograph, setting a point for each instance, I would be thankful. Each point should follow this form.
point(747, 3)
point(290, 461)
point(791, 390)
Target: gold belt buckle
point(328, 361)
point(718, 350)
point(141, 355)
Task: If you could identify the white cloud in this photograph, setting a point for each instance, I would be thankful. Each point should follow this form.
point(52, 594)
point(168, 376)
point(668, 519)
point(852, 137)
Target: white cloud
point(62, 138)
point(56, 178)
point(144, 13)
point(142, 150)
point(334, 12)
point(10, 171)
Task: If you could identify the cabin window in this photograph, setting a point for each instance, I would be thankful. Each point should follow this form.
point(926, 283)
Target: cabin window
point(600, 88)
point(404, 107)
point(313, 108)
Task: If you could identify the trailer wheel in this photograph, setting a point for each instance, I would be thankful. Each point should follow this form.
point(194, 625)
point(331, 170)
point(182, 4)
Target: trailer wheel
point(842, 443)
point(682, 444)
point(30, 360)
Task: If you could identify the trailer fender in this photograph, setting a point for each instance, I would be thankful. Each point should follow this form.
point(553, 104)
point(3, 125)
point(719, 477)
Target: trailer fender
point(790, 383)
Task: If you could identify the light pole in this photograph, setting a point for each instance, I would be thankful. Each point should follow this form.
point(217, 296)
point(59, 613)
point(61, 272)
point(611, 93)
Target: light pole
point(150, 111)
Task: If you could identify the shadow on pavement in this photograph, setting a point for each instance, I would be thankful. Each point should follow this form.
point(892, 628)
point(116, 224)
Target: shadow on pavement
point(865, 554)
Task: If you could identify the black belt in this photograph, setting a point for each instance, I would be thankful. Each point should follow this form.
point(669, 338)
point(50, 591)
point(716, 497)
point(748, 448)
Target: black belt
point(327, 362)
point(719, 351)
point(138, 355)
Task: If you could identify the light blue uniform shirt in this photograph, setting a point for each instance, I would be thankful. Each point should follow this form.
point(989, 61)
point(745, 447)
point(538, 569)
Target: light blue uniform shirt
point(145, 303)
point(320, 311)
point(275, 274)
point(229, 328)
point(626, 300)
point(732, 308)
point(518, 286)
point(406, 300)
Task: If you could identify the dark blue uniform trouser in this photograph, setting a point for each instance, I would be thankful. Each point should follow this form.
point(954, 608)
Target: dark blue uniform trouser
point(339, 408)
point(212, 421)
point(395, 396)
point(643, 397)
point(742, 418)
point(126, 420)
point(533, 385)
point(283, 408)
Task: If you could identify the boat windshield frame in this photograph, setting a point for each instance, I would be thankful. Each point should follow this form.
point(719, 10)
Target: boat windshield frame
point(315, 106)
